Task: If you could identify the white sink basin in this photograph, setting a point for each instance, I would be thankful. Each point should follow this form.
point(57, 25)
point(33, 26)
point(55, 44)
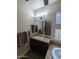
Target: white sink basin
point(39, 37)
point(56, 53)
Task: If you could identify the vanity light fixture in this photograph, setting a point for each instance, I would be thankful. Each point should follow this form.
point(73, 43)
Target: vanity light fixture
point(41, 17)
point(45, 2)
point(26, 0)
point(41, 14)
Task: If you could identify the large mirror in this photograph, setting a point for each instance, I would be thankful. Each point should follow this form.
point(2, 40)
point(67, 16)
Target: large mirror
point(44, 24)
point(47, 19)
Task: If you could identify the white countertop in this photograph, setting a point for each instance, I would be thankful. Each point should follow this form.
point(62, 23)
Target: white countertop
point(42, 39)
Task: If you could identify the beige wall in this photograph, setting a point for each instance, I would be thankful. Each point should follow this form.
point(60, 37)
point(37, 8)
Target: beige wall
point(25, 15)
point(50, 10)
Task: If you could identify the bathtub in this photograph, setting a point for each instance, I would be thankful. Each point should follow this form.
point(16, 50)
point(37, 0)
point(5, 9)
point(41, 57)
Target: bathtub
point(56, 53)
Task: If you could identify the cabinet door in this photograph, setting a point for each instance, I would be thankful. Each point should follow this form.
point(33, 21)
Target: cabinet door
point(38, 46)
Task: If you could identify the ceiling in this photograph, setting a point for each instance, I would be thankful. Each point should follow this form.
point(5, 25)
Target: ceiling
point(35, 4)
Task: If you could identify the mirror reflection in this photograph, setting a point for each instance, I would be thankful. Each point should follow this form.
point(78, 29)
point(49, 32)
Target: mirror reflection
point(44, 24)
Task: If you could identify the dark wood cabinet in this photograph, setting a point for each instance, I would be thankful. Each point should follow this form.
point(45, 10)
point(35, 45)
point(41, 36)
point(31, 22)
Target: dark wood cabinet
point(39, 46)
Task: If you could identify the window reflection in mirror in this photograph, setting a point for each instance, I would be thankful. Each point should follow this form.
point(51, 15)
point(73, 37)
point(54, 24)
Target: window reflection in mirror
point(58, 26)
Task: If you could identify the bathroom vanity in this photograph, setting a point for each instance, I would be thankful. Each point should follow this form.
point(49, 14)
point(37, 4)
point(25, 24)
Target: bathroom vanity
point(39, 44)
